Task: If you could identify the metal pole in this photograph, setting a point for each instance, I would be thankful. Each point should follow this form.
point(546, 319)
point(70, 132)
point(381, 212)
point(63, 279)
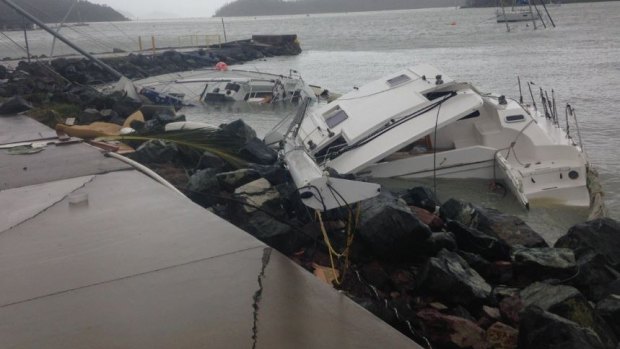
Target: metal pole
point(520, 92)
point(529, 86)
point(548, 15)
point(62, 38)
point(26, 39)
point(224, 28)
point(540, 16)
point(529, 2)
point(505, 18)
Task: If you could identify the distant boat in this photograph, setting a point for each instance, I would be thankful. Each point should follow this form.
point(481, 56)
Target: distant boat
point(520, 11)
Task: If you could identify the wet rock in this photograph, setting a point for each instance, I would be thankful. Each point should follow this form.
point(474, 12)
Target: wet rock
point(254, 150)
point(259, 193)
point(540, 329)
point(155, 151)
point(389, 229)
point(510, 229)
point(375, 275)
point(273, 232)
point(510, 308)
point(422, 197)
point(232, 180)
point(111, 116)
point(537, 264)
point(88, 116)
point(15, 105)
point(478, 263)
point(452, 331)
point(609, 309)
point(275, 174)
point(568, 302)
point(450, 278)
point(475, 241)
point(203, 187)
point(3, 72)
point(601, 236)
point(439, 241)
point(502, 336)
point(595, 277)
point(125, 106)
point(209, 160)
point(433, 221)
point(238, 130)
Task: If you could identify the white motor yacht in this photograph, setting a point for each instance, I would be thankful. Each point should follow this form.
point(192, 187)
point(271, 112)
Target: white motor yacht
point(420, 123)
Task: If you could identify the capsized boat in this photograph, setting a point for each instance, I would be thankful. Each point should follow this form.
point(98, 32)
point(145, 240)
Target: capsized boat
point(211, 86)
point(420, 123)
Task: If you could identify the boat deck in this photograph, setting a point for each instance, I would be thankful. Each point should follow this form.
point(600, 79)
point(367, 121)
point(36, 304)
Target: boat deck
point(94, 254)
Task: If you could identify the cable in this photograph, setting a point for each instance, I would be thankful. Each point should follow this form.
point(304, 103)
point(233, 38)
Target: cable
point(435, 152)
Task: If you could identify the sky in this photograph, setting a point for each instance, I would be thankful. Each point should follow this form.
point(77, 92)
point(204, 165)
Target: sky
point(165, 8)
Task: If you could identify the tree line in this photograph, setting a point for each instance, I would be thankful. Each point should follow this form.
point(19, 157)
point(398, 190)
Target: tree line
point(281, 7)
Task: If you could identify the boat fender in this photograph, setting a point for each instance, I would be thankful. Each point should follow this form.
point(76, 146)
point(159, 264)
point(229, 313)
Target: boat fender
point(221, 66)
point(438, 80)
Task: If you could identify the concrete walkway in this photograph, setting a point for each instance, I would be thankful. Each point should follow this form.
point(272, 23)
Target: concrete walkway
point(94, 254)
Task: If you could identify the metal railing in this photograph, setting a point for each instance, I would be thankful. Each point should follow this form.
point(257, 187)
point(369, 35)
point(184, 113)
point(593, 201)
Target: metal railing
point(158, 42)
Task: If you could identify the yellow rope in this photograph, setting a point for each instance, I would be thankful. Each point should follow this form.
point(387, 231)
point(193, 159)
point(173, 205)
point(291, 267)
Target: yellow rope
point(351, 227)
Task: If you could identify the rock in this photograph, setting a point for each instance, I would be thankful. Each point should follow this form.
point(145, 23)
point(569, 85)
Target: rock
point(14, 105)
point(450, 278)
point(433, 221)
point(422, 197)
point(540, 329)
point(478, 263)
point(491, 312)
point(125, 106)
point(601, 236)
point(274, 233)
point(209, 160)
point(595, 278)
point(155, 151)
point(475, 241)
point(88, 116)
point(457, 210)
point(389, 229)
point(111, 116)
point(502, 336)
point(537, 264)
point(275, 174)
point(232, 180)
point(609, 309)
point(568, 302)
point(452, 331)
point(510, 308)
point(203, 187)
point(254, 150)
point(4, 73)
point(238, 130)
point(259, 193)
point(439, 241)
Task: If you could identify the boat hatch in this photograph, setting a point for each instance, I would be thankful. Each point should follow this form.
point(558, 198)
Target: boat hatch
point(431, 96)
point(401, 79)
point(515, 118)
point(335, 117)
point(475, 114)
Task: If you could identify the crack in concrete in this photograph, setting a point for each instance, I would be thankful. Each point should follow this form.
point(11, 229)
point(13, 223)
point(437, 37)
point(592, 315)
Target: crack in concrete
point(258, 295)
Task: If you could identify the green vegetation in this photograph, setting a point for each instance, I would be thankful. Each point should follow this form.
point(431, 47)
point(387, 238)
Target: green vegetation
point(53, 11)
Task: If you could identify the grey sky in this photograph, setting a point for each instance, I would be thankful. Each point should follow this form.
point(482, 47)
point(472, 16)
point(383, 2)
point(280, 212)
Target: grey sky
point(165, 8)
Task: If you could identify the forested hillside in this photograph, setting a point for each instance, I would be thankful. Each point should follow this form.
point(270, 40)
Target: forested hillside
point(280, 7)
point(53, 11)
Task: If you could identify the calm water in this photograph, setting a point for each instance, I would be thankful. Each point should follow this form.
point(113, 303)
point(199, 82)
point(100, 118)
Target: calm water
point(580, 59)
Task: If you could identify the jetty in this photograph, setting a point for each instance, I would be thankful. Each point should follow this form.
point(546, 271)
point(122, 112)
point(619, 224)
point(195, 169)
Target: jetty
point(95, 253)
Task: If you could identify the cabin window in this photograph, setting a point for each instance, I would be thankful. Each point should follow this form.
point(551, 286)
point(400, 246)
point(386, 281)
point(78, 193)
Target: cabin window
point(431, 96)
point(232, 86)
point(515, 118)
point(335, 117)
point(475, 114)
point(401, 79)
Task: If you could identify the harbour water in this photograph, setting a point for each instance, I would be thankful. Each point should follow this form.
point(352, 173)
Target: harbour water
point(580, 60)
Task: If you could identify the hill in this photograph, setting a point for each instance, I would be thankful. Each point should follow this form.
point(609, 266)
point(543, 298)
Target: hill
point(53, 11)
point(281, 7)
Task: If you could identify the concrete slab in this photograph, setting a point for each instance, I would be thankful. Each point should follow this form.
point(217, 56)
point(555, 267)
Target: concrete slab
point(19, 128)
point(251, 299)
point(56, 162)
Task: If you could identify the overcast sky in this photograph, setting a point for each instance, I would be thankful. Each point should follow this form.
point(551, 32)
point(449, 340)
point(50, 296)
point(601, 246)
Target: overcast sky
point(165, 8)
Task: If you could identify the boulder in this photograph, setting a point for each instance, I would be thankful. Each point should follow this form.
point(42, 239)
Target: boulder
point(601, 236)
point(512, 230)
point(452, 331)
point(537, 264)
point(448, 277)
point(595, 278)
point(475, 241)
point(111, 116)
point(256, 151)
point(422, 197)
point(609, 309)
point(14, 105)
point(4, 73)
point(389, 228)
point(89, 115)
point(510, 307)
point(203, 187)
point(238, 130)
point(502, 336)
point(210, 160)
point(569, 303)
point(540, 329)
point(155, 151)
point(259, 194)
point(234, 179)
point(273, 232)
point(439, 241)
point(433, 221)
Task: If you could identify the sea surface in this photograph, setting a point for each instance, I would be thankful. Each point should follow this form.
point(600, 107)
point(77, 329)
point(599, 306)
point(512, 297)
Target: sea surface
point(579, 59)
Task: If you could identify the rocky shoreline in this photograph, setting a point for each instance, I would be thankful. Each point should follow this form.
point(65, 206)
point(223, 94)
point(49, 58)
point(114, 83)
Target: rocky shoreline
point(447, 274)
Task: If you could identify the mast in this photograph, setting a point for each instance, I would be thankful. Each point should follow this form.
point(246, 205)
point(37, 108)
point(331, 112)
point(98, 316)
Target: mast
point(60, 37)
